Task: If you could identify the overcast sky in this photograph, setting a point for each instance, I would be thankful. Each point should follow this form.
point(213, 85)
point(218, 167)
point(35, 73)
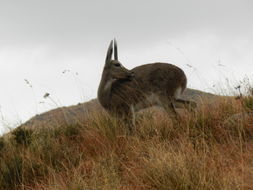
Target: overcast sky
point(59, 47)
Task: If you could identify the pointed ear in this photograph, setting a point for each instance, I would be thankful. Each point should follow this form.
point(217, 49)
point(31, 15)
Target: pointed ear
point(109, 54)
point(115, 50)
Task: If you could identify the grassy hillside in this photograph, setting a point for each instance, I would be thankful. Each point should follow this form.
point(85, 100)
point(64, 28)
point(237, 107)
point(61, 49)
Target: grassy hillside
point(209, 149)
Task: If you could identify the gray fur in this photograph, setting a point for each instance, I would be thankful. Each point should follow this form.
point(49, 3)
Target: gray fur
point(122, 91)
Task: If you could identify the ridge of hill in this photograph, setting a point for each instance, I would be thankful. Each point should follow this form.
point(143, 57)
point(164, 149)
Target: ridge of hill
point(78, 113)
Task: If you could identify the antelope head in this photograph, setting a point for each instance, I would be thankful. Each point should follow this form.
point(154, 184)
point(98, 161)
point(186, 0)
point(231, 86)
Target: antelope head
point(113, 68)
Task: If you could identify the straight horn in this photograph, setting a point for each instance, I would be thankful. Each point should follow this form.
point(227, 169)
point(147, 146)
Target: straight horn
point(109, 53)
point(115, 50)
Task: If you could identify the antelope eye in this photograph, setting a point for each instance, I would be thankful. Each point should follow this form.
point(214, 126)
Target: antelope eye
point(117, 64)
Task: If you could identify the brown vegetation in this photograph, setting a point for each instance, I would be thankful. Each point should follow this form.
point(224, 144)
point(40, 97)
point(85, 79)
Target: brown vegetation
point(203, 151)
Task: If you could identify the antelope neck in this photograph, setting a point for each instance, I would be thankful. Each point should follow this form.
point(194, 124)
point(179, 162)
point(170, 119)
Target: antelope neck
point(104, 90)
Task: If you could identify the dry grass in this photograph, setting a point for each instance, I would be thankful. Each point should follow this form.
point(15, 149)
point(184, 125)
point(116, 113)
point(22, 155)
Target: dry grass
point(205, 150)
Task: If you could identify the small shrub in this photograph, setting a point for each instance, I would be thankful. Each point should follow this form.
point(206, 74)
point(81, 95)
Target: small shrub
point(72, 131)
point(248, 103)
point(17, 170)
point(22, 136)
point(1, 143)
point(11, 172)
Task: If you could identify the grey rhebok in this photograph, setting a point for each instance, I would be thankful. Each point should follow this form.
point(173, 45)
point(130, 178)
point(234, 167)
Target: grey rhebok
point(122, 92)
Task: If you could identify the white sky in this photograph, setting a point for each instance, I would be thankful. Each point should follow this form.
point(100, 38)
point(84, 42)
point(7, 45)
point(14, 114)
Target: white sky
point(40, 39)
